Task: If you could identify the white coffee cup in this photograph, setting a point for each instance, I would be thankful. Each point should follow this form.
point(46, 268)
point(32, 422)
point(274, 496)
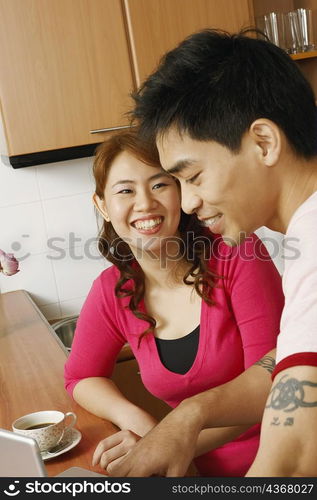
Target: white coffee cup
point(46, 427)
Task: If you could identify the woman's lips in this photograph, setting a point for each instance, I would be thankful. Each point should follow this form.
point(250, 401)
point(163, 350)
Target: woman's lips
point(149, 225)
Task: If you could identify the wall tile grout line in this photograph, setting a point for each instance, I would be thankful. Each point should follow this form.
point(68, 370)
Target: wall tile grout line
point(46, 231)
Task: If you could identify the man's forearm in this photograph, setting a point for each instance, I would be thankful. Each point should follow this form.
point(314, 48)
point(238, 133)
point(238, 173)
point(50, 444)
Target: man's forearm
point(168, 448)
point(210, 439)
point(238, 402)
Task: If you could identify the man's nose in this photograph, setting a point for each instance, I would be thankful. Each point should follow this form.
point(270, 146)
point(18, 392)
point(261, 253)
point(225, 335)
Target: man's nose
point(190, 201)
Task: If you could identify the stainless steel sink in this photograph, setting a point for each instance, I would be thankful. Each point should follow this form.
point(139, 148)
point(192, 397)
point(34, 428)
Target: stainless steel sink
point(65, 329)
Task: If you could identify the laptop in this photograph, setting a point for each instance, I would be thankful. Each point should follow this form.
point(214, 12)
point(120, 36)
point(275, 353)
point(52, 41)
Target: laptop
point(20, 456)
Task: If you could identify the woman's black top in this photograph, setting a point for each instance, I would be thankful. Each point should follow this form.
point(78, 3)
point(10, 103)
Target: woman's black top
point(178, 355)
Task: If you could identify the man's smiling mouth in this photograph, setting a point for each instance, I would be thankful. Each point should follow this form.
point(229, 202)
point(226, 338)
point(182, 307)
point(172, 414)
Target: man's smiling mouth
point(210, 221)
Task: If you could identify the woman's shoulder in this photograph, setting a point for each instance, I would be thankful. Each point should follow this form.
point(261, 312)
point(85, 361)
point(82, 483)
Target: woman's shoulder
point(250, 249)
point(111, 273)
point(107, 279)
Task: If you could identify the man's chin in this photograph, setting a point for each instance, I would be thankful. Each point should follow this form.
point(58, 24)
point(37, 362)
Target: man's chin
point(234, 239)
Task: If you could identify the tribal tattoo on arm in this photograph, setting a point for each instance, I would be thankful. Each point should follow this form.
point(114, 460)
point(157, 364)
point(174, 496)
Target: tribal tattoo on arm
point(267, 362)
point(289, 394)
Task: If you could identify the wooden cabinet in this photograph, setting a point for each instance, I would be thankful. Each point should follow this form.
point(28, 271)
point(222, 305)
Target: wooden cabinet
point(65, 71)
point(156, 26)
point(68, 66)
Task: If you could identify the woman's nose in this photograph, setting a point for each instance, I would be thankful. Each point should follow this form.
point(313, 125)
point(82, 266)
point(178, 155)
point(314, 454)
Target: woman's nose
point(144, 201)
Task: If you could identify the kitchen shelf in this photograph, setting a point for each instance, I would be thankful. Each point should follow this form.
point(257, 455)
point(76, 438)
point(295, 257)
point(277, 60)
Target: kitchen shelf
point(304, 55)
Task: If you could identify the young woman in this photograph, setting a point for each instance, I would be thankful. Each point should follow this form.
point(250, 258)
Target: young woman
point(195, 312)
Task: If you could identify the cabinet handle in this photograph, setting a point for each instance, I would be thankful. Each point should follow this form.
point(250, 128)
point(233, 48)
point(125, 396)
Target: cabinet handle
point(99, 130)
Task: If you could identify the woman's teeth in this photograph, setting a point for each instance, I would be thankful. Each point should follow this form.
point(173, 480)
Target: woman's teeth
point(211, 221)
point(147, 224)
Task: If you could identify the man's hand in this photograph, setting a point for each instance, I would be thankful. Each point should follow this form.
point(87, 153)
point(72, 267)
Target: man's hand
point(111, 450)
point(164, 451)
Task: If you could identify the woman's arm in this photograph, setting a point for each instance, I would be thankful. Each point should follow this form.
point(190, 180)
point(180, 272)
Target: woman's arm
point(100, 396)
point(98, 340)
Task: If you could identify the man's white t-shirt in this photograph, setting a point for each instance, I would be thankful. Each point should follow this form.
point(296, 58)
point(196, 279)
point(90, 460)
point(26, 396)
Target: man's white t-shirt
point(298, 332)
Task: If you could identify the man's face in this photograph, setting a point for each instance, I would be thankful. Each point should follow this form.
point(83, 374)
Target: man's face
point(230, 193)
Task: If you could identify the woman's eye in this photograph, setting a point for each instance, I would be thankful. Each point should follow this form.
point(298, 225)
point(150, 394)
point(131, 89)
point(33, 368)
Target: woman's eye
point(125, 191)
point(160, 184)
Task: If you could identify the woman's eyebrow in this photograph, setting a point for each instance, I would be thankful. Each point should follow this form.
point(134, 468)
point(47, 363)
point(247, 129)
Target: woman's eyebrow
point(158, 175)
point(153, 177)
point(124, 181)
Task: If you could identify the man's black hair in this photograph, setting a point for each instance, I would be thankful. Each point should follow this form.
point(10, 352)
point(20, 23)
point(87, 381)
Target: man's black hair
point(214, 84)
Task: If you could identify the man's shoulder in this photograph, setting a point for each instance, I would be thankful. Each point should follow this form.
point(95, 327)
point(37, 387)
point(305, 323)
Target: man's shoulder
point(304, 218)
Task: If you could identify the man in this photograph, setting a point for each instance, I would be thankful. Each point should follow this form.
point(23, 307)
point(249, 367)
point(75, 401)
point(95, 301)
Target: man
point(234, 120)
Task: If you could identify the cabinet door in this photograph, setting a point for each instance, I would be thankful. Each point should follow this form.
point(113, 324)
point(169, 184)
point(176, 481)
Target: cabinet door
point(65, 70)
point(126, 376)
point(156, 26)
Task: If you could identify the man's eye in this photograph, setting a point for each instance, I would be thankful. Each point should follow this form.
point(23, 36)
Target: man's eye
point(193, 179)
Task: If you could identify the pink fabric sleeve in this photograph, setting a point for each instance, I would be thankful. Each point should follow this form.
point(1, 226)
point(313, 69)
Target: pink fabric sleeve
point(256, 297)
point(97, 339)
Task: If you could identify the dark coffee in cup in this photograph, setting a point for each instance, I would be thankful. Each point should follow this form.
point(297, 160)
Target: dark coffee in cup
point(47, 427)
point(38, 426)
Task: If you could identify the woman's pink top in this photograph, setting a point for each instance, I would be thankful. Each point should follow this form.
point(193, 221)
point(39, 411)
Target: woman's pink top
point(238, 330)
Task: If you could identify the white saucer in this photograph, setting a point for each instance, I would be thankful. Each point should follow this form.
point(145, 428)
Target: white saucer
point(73, 436)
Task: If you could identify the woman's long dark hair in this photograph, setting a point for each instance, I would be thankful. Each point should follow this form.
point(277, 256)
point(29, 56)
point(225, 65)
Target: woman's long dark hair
point(196, 244)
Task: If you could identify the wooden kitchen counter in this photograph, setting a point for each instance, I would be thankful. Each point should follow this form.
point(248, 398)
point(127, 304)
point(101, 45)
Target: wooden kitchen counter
point(31, 378)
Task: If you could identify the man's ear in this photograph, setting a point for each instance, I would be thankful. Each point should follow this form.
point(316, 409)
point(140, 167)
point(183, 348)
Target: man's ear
point(101, 207)
point(267, 137)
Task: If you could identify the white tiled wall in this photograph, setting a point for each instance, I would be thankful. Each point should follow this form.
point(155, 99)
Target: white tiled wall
point(47, 220)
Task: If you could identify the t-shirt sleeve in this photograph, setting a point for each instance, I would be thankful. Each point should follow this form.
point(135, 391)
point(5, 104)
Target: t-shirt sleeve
point(297, 343)
point(255, 296)
point(97, 340)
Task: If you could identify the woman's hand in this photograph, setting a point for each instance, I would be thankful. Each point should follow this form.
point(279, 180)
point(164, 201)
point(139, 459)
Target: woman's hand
point(112, 449)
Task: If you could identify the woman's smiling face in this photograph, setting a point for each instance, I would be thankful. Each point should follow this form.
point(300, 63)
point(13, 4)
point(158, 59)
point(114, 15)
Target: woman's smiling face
point(142, 202)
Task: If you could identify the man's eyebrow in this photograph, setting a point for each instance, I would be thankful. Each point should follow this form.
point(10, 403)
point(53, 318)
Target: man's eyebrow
point(152, 178)
point(180, 166)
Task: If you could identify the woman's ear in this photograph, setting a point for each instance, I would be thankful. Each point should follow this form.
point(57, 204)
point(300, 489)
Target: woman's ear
point(100, 206)
point(267, 136)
